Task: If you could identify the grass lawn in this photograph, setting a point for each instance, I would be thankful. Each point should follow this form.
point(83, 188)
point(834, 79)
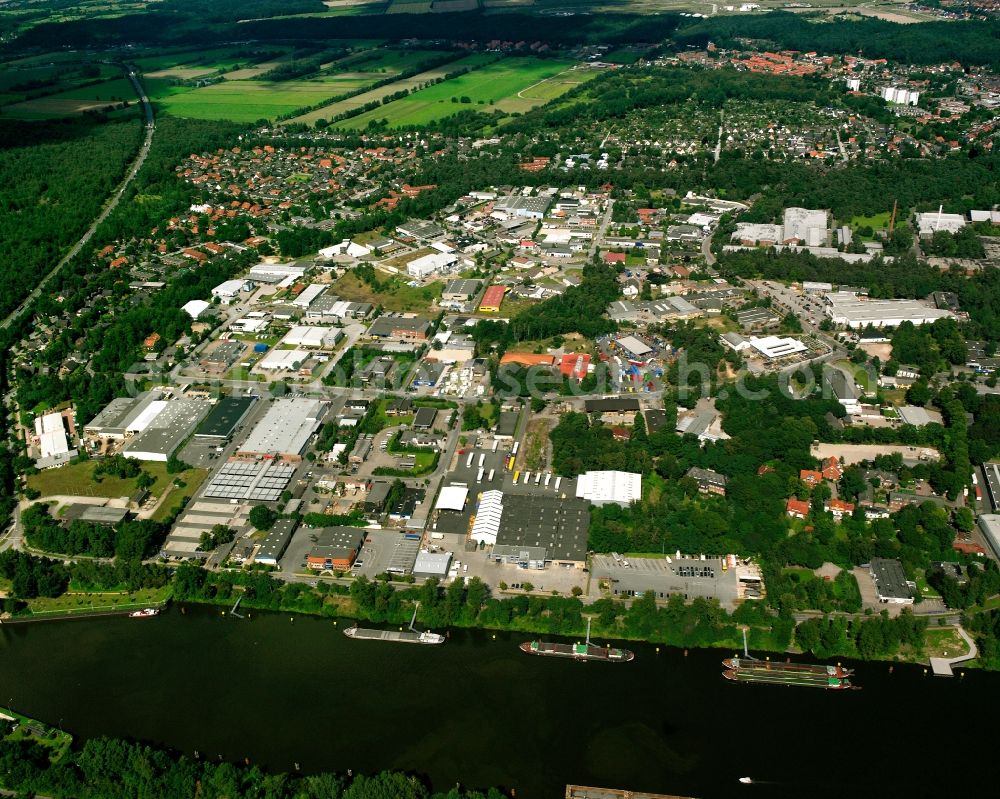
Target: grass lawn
point(944, 642)
point(924, 589)
point(57, 741)
point(481, 87)
point(859, 372)
point(192, 479)
point(398, 295)
point(250, 100)
point(347, 104)
point(87, 602)
point(76, 479)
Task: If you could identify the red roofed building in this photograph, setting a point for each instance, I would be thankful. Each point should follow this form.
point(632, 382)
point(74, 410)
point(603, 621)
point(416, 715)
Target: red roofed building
point(614, 257)
point(574, 364)
point(527, 359)
point(839, 508)
point(797, 508)
point(492, 299)
point(811, 477)
point(831, 468)
point(968, 548)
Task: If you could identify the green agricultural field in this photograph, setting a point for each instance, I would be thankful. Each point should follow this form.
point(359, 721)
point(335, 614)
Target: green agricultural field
point(547, 89)
point(248, 100)
point(480, 89)
point(332, 110)
point(98, 96)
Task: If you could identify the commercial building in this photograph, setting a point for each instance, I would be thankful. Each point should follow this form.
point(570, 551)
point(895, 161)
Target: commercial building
point(461, 290)
point(604, 487)
point(222, 421)
point(757, 318)
point(125, 416)
point(526, 207)
point(275, 273)
point(195, 308)
point(167, 430)
point(709, 481)
point(772, 347)
point(328, 308)
point(336, 548)
point(452, 497)
point(229, 289)
point(285, 429)
point(432, 564)
point(848, 310)
point(535, 530)
point(843, 389)
point(492, 299)
point(917, 416)
point(634, 349)
point(890, 581)
point(424, 418)
point(805, 226)
point(284, 360)
point(53, 443)
point(614, 410)
point(254, 481)
point(435, 263)
point(989, 525)
point(312, 337)
point(506, 425)
point(412, 328)
point(931, 222)
point(308, 295)
point(276, 542)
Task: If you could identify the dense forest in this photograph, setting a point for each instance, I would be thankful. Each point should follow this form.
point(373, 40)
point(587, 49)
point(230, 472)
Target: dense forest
point(971, 42)
point(55, 176)
point(110, 768)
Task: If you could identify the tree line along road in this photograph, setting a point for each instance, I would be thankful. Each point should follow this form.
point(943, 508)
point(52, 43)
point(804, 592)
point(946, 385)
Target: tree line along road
point(108, 208)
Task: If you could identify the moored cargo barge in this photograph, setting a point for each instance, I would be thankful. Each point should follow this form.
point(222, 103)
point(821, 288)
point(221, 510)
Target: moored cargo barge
point(753, 664)
point(578, 651)
point(790, 678)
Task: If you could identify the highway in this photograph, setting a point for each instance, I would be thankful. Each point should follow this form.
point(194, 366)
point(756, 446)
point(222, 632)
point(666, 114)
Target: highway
point(108, 208)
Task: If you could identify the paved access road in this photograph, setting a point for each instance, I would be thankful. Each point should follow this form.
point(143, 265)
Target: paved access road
point(111, 205)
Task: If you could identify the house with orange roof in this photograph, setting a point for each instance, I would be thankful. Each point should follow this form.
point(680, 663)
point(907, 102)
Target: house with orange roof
point(797, 508)
point(811, 477)
point(831, 469)
point(839, 508)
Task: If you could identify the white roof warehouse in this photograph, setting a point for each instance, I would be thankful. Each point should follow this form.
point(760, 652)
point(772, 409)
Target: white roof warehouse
point(285, 429)
point(846, 309)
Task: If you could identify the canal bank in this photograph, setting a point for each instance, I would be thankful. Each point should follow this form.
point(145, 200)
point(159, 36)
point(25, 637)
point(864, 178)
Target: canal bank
point(479, 711)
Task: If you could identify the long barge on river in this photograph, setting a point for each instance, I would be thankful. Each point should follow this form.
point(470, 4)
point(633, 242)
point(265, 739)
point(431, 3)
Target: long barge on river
point(411, 636)
point(753, 664)
point(799, 679)
point(584, 651)
point(805, 675)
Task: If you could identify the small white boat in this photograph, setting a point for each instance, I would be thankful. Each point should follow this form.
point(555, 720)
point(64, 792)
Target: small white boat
point(746, 780)
point(144, 613)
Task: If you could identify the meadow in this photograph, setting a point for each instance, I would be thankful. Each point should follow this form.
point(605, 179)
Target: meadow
point(488, 86)
point(248, 100)
point(350, 103)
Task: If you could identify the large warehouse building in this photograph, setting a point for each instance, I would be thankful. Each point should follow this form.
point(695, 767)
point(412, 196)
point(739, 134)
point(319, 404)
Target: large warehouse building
point(168, 430)
point(224, 418)
point(533, 531)
point(602, 488)
point(846, 309)
point(285, 429)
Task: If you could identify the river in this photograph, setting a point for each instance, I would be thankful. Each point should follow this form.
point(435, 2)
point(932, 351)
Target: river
point(477, 710)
